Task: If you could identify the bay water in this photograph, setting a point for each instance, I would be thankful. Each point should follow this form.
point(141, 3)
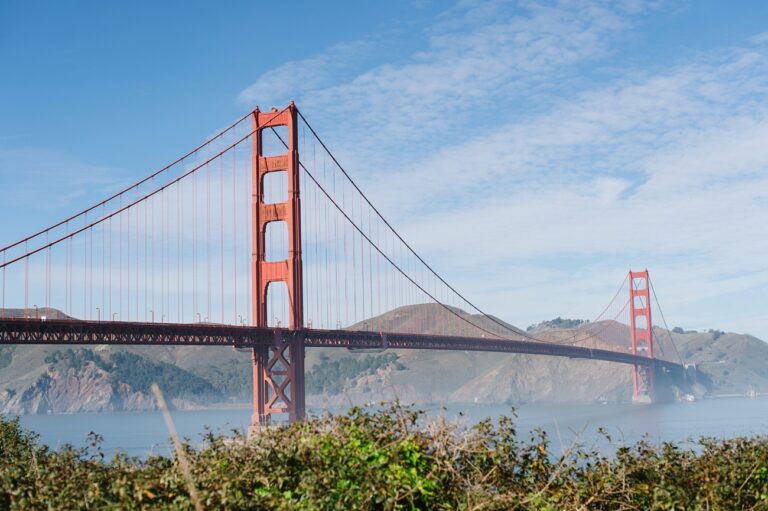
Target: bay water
point(144, 433)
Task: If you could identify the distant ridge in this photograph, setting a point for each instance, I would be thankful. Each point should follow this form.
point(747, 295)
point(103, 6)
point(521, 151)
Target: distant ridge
point(730, 363)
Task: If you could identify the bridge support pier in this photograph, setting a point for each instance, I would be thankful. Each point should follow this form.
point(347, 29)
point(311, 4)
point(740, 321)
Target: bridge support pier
point(278, 380)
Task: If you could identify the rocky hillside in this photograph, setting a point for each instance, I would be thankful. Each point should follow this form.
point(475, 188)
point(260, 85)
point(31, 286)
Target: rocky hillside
point(42, 379)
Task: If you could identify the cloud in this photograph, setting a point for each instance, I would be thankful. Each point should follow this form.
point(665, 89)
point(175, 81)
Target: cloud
point(278, 86)
point(30, 172)
point(476, 53)
point(534, 185)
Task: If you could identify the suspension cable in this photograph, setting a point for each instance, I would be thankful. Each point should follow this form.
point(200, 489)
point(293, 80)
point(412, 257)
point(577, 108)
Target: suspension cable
point(137, 201)
point(415, 254)
point(656, 299)
point(385, 256)
point(129, 188)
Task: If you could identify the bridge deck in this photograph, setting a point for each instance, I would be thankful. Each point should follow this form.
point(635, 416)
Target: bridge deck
point(37, 331)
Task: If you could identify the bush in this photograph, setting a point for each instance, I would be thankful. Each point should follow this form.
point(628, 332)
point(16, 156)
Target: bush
point(390, 459)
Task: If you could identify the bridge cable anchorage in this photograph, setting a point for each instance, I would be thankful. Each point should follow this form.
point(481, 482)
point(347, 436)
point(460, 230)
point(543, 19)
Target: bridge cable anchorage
point(122, 209)
point(414, 253)
point(128, 188)
point(658, 304)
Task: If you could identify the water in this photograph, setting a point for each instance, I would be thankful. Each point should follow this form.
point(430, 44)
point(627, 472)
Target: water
point(145, 433)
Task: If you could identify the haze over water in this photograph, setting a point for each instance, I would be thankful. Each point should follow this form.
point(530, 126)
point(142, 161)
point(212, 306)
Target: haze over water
point(144, 433)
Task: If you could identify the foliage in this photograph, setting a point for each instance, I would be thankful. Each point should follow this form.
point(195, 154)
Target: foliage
point(331, 376)
point(138, 372)
point(76, 359)
point(389, 459)
point(231, 378)
point(558, 322)
point(681, 330)
point(716, 334)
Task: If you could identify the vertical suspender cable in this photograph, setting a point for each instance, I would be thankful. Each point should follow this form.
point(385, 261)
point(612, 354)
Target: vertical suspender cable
point(163, 245)
point(110, 269)
point(346, 259)
point(247, 238)
point(26, 280)
point(120, 266)
point(208, 235)
point(195, 280)
point(221, 233)
point(336, 304)
point(85, 272)
point(370, 266)
point(362, 262)
point(103, 306)
point(146, 209)
point(317, 261)
point(90, 275)
point(378, 274)
point(47, 274)
point(128, 286)
point(326, 240)
point(136, 277)
point(179, 253)
point(234, 230)
point(4, 259)
point(152, 254)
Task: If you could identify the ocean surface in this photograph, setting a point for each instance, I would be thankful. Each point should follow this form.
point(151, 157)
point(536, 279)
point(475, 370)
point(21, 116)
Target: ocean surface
point(144, 433)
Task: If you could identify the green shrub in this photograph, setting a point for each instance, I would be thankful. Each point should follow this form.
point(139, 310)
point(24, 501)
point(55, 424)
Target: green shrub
point(389, 459)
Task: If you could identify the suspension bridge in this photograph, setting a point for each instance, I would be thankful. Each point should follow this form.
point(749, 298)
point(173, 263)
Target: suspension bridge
point(258, 238)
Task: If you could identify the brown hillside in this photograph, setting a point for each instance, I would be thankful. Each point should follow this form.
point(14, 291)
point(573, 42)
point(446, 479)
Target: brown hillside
point(730, 363)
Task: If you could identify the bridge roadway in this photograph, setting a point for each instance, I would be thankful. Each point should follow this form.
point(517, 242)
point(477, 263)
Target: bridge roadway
point(38, 331)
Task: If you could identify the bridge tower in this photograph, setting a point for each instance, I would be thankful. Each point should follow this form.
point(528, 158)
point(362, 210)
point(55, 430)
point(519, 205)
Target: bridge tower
point(641, 332)
point(278, 369)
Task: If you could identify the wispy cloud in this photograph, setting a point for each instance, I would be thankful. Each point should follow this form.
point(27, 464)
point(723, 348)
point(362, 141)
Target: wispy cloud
point(279, 85)
point(494, 136)
point(39, 179)
point(477, 53)
point(646, 173)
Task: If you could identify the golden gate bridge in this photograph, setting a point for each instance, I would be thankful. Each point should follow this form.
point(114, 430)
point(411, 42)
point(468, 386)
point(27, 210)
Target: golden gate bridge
point(258, 238)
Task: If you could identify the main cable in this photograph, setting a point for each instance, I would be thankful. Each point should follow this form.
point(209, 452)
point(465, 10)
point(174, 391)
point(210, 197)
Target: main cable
point(415, 254)
point(656, 299)
point(129, 188)
point(368, 239)
point(137, 201)
point(405, 243)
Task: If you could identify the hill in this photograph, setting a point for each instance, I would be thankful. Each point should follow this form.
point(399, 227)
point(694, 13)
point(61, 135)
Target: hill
point(40, 379)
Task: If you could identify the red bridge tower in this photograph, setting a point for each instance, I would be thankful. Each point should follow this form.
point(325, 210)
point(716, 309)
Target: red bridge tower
point(278, 370)
point(641, 331)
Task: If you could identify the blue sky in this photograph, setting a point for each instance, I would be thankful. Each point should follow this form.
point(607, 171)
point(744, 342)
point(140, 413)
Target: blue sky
point(564, 142)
